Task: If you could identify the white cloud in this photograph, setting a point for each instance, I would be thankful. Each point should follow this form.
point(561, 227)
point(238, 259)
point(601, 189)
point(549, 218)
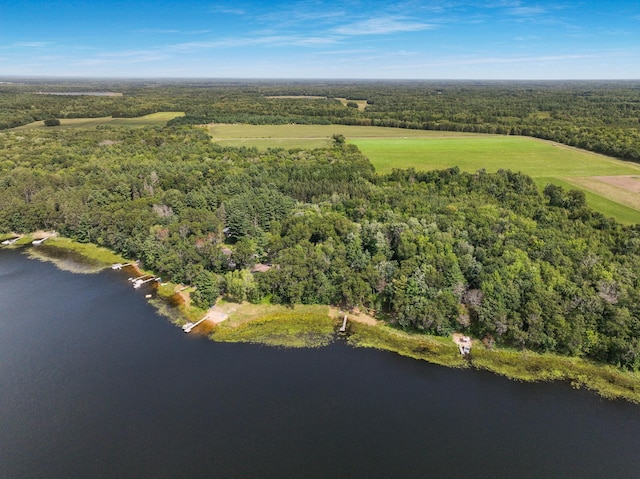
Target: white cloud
point(344, 52)
point(270, 40)
point(382, 26)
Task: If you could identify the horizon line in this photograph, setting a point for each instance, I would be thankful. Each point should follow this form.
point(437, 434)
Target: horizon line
point(344, 79)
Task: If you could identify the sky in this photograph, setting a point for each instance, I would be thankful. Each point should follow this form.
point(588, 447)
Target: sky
point(346, 39)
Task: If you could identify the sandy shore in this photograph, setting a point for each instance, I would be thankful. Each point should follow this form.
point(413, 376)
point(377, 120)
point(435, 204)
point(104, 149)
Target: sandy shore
point(216, 316)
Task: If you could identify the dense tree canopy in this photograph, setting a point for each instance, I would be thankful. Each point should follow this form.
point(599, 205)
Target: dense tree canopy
point(430, 251)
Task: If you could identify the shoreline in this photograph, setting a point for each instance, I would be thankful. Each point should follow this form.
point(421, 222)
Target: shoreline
point(316, 326)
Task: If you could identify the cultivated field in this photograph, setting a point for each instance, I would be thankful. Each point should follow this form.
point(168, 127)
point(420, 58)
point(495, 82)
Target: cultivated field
point(609, 184)
point(154, 119)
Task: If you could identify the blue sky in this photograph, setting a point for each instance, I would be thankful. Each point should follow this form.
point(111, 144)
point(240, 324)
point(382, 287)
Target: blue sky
point(438, 39)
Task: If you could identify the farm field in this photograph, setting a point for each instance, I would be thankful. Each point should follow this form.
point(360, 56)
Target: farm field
point(388, 148)
point(312, 136)
point(153, 119)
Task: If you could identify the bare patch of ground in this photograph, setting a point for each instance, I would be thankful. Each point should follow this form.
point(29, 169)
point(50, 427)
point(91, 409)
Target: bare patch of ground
point(463, 342)
point(217, 314)
point(622, 189)
point(40, 234)
point(362, 104)
point(626, 182)
point(355, 315)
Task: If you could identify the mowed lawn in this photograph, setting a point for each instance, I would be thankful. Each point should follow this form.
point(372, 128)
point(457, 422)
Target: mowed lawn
point(389, 148)
point(153, 119)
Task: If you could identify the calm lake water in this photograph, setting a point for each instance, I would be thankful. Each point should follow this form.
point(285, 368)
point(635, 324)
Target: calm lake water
point(93, 383)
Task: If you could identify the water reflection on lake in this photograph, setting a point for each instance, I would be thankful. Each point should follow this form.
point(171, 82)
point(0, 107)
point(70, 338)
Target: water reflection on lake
point(95, 384)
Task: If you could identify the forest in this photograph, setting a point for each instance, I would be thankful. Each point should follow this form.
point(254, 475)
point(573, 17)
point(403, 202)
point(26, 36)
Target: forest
point(433, 252)
point(603, 117)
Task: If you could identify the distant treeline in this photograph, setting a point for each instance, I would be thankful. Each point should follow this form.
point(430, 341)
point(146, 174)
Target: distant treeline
point(599, 116)
point(434, 252)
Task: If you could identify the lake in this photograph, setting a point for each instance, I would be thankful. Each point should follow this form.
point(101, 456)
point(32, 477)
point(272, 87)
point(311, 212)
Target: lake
point(94, 383)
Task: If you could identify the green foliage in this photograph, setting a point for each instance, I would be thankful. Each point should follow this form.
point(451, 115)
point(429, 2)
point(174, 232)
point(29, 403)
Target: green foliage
point(434, 350)
point(433, 251)
point(207, 290)
point(338, 139)
point(289, 329)
point(52, 122)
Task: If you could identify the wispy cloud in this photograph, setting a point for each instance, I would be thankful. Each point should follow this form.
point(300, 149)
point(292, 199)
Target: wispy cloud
point(269, 40)
point(32, 44)
point(302, 16)
point(526, 11)
point(382, 26)
point(227, 10)
point(160, 31)
point(345, 52)
point(514, 60)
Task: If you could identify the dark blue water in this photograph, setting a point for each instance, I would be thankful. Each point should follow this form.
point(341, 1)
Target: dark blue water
point(93, 383)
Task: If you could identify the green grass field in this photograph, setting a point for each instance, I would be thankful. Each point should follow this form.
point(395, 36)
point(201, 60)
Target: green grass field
point(491, 152)
point(312, 136)
point(154, 119)
point(389, 148)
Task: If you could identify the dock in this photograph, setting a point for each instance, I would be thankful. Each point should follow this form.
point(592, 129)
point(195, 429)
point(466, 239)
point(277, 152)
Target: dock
point(343, 328)
point(189, 326)
point(120, 266)
point(139, 282)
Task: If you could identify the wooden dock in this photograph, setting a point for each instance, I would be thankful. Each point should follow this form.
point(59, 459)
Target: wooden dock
point(139, 282)
point(10, 241)
point(343, 328)
point(120, 266)
point(189, 326)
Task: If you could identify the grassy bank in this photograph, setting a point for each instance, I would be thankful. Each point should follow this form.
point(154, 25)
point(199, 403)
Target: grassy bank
point(72, 256)
point(437, 350)
point(298, 327)
point(607, 381)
